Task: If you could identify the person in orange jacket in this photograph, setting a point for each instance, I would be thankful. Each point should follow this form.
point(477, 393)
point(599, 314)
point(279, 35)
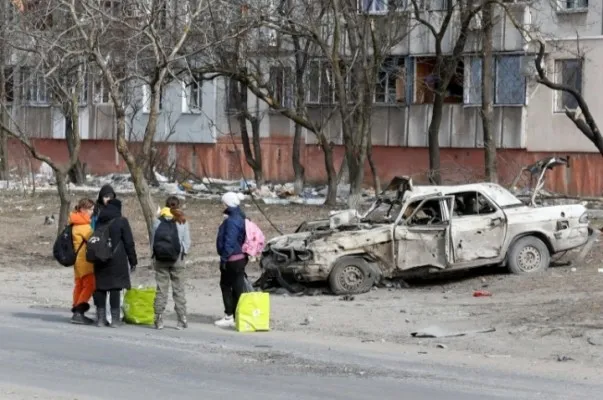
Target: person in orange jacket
point(83, 270)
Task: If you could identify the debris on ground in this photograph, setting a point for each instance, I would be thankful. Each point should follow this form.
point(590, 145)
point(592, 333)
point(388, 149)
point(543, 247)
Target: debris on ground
point(562, 358)
point(438, 332)
point(441, 346)
point(482, 293)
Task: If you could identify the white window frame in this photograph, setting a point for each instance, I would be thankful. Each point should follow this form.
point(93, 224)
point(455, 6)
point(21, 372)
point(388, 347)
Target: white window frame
point(41, 89)
point(285, 74)
point(404, 72)
point(99, 93)
point(333, 97)
point(469, 102)
point(381, 7)
point(188, 89)
point(572, 6)
point(558, 107)
point(146, 99)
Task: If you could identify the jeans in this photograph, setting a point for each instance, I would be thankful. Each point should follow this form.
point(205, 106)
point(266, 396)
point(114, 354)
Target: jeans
point(100, 298)
point(232, 283)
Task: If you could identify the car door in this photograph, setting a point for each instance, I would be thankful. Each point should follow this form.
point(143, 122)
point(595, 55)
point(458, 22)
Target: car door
point(478, 234)
point(423, 242)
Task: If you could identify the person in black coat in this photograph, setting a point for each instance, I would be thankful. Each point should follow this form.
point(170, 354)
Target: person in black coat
point(114, 275)
point(105, 194)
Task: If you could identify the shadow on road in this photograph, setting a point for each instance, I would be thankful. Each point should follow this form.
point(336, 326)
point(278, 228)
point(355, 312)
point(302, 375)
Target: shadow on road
point(50, 317)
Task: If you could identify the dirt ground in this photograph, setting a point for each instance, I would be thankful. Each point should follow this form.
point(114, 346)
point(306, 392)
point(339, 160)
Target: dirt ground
point(555, 316)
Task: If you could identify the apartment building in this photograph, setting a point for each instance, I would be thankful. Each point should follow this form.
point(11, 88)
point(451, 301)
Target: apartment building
point(196, 124)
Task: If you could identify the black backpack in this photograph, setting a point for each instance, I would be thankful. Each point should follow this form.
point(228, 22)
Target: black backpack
point(166, 243)
point(63, 250)
point(100, 247)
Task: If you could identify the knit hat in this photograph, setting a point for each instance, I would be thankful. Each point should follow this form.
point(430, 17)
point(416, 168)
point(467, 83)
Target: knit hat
point(231, 199)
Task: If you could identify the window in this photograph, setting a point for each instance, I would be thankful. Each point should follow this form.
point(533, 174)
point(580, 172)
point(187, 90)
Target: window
point(34, 88)
point(236, 95)
point(193, 94)
point(471, 203)
point(569, 73)
point(572, 5)
point(427, 77)
point(509, 82)
point(321, 83)
point(146, 99)
point(100, 95)
point(391, 81)
point(9, 85)
point(112, 7)
point(381, 6)
point(423, 212)
point(281, 85)
point(39, 14)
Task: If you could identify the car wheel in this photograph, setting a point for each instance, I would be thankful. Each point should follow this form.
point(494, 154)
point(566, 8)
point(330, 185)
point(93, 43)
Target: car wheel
point(528, 255)
point(351, 275)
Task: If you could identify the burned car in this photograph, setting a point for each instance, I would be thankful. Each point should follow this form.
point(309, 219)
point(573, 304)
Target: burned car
point(431, 228)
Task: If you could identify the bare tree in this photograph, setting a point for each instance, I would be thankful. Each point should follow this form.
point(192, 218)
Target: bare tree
point(488, 92)
point(346, 50)
point(457, 13)
point(137, 45)
point(581, 116)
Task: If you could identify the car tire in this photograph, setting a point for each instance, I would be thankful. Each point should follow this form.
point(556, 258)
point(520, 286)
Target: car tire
point(351, 275)
point(528, 255)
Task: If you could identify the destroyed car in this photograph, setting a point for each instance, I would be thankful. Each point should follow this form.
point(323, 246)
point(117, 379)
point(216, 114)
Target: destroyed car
point(427, 228)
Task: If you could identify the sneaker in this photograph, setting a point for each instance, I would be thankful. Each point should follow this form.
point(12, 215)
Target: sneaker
point(88, 321)
point(226, 322)
point(182, 324)
point(158, 321)
point(79, 319)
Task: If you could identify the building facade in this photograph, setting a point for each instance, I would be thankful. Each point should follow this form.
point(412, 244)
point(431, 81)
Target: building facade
point(197, 129)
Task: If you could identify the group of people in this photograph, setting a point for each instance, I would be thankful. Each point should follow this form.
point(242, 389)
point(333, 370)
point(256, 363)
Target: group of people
point(170, 243)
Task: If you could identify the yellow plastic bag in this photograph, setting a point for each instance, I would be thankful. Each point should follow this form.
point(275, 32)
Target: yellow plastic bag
point(253, 312)
point(139, 307)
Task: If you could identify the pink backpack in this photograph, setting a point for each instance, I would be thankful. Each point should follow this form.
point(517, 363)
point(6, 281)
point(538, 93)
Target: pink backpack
point(254, 239)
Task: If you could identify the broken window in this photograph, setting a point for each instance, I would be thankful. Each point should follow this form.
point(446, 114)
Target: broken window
point(471, 203)
point(391, 81)
point(427, 77)
point(427, 213)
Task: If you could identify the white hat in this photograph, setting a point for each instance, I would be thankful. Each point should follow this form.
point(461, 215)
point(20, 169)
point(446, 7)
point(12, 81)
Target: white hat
point(231, 199)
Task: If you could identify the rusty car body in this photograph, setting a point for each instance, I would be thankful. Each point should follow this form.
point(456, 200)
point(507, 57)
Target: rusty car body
point(427, 228)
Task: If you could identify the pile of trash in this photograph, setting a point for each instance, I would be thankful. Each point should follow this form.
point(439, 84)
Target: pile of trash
point(205, 188)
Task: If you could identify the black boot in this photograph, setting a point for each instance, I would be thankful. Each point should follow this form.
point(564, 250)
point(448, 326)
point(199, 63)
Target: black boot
point(115, 318)
point(78, 315)
point(101, 316)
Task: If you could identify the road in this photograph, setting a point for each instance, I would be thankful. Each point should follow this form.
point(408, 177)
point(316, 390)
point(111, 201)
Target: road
point(42, 356)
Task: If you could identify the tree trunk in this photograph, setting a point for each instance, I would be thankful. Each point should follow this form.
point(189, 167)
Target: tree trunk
point(258, 171)
point(61, 178)
point(369, 155)
point(253, 160)
point(4, 170)
point(343, 175)
point(298, 168)
point(356, 168)
point(331, 199)
point(76, 174)
point(434, 138)
point(487, 95)
point(143, 193)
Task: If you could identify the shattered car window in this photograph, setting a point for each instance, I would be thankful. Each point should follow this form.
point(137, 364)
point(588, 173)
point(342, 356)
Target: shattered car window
point(471, 203)
point(428, 213)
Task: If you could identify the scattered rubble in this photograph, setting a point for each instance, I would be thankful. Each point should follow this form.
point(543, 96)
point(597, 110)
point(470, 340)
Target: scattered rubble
point(438, 332)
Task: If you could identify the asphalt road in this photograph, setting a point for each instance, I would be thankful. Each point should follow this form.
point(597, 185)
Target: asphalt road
point(42, 356)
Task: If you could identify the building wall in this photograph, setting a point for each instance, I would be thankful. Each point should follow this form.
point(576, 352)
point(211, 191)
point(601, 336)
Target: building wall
point(225, 160)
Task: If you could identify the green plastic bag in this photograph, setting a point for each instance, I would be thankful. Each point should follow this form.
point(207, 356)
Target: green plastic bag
point(139, 306)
